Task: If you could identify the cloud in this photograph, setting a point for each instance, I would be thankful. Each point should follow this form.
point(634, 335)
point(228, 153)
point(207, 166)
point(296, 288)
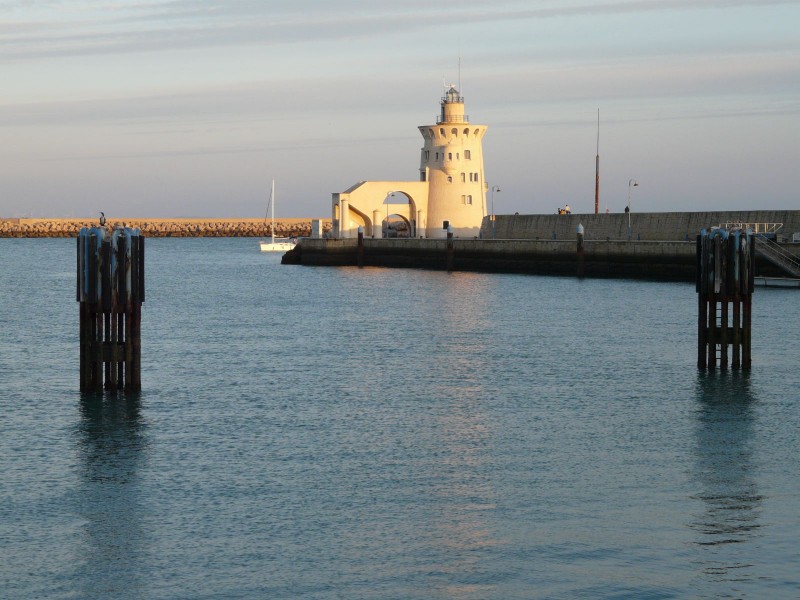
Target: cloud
point(279, 100)
point(102, 28)
point(763, 74)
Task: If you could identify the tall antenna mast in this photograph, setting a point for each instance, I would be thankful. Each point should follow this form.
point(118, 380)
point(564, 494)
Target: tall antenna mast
point(460, 91)
point(597, 169)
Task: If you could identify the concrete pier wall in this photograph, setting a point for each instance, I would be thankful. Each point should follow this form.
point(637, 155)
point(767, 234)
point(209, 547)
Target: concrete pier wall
point(656, 260)
point(668, 226)
point(649, 260)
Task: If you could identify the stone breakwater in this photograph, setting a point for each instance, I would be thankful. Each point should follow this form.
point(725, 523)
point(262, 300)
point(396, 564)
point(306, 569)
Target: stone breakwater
point(44, 228)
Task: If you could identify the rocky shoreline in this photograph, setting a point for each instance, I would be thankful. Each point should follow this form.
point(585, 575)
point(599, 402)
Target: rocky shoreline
point(58, 228)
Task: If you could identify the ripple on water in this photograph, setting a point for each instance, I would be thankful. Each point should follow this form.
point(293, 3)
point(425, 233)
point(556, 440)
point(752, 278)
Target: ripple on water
point(375, 433)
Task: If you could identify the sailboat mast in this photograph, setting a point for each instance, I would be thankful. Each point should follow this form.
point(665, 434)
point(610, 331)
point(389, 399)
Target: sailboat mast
point(272, 195)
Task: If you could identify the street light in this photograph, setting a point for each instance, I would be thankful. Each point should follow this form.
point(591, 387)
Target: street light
point(387, 201)
point(495, 188)
point(632, 183)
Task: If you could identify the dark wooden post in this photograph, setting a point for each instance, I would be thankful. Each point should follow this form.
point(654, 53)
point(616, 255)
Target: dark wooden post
point(725, 261)
point(110, 293)
point(580, 250)
point(450, 248)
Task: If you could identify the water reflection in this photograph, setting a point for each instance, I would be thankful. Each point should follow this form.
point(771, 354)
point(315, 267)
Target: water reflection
point(463, 488)
point(111, 441)
point(725, 475)
point(466, 499)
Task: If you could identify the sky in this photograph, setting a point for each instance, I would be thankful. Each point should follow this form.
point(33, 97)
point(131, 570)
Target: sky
point(189, 108)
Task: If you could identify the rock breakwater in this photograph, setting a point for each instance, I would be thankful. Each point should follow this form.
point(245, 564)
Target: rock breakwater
point(55, 228)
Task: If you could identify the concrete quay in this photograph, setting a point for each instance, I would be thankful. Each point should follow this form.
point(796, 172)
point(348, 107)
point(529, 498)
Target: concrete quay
point(652, 260)
point(668, 261)
point(44, 228)
point(666, 226)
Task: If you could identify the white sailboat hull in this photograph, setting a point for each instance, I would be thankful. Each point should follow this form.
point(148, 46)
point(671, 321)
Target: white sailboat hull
point(282, 245)
point(267, 246)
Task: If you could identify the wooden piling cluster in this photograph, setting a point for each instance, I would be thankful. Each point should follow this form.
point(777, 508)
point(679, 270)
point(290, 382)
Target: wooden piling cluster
point(110, 291)
point(360, 250)
point(725, 268)
point(451, 250)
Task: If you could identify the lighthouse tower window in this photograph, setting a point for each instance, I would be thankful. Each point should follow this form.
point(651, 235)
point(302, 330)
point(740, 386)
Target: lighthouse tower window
point(449, 156)
point(449, 179)
point(468, 154)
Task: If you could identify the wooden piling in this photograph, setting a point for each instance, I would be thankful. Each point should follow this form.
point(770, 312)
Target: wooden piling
point(580, 232)
point(450, 250)
point(724, 283)
point(360, 249)
point(110, 291)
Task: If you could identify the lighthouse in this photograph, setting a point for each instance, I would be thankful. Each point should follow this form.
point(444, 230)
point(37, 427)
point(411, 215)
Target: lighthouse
point(452, 163)
point(449, 192)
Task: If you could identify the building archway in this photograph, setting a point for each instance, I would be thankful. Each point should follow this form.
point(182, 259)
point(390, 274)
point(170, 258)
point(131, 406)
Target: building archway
point(374, 201)
point(397, 226)
point(400, 205)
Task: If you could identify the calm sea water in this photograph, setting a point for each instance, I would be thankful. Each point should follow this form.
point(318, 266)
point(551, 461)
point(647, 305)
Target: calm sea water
point(371, 433)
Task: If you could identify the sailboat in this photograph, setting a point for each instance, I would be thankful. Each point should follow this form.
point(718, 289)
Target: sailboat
point(283, 244)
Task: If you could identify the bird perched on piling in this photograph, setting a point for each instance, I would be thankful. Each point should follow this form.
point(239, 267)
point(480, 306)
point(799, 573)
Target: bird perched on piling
point(102, 218)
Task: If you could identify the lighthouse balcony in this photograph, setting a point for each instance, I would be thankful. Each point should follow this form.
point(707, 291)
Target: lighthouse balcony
point(452, 119)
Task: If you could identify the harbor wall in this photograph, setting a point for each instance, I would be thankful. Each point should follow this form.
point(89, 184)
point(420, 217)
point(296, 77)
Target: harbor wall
point(666, 226)
point(161, 227)
point(655, 260)
point(647, 260)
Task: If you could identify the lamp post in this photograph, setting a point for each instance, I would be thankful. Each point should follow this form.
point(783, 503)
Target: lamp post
point(389, 195)
point(495, 188)
point(632, 183)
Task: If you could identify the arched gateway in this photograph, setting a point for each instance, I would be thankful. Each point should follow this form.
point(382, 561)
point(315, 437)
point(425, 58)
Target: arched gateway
point(451, 187)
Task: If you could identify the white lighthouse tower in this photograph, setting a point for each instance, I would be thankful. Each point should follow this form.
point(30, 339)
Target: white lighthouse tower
point(451, 187)
point(452, 164)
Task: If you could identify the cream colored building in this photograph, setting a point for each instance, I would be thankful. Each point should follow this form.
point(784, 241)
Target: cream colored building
point(451, 187)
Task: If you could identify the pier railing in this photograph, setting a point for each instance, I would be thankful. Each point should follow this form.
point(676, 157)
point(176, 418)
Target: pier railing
point(756, 228)
point(779, 257)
